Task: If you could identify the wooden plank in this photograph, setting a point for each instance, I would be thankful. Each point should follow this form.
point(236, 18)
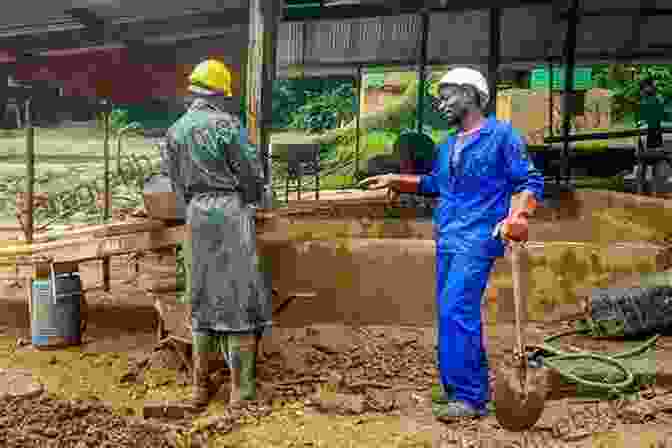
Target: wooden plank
point(104, 230)
point(82, 249)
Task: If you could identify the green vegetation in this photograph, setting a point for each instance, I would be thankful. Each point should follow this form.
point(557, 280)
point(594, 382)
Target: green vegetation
point(69, 166)
point(623, 81)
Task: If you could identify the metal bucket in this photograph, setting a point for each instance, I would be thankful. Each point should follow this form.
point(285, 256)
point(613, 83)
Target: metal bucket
point(55, 311)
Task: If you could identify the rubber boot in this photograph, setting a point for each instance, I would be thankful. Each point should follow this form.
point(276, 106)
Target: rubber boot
point(243, 357)
point(203, 388)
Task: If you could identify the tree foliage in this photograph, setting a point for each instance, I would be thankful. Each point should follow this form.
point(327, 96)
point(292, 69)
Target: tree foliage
point(312, 104)
point(623, 81)
point(325, 110)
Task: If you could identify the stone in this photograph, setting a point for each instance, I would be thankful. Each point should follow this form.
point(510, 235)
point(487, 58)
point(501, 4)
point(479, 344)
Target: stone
point(162, 409)
point(18, 384)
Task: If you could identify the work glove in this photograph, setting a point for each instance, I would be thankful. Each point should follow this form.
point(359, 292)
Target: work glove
point(515, 227)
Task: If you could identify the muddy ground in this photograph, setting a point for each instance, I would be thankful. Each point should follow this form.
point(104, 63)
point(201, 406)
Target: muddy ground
point(321, 386)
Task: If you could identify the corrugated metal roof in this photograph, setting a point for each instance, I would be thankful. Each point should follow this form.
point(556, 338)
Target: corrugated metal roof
point(530, 34)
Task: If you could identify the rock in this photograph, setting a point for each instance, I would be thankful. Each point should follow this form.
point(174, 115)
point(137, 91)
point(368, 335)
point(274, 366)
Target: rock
point(130, 376)
point(18, 384)
point(381, 400)
point(162, 409)
point(662, 403)
point(638, 412)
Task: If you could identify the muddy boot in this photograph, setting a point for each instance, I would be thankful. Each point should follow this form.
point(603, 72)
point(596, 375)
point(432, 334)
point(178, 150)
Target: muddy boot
point(455, 410)
point(243, 356)
point(203, 388)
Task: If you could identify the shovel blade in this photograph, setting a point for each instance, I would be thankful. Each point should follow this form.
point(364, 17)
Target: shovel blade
point(519, 408)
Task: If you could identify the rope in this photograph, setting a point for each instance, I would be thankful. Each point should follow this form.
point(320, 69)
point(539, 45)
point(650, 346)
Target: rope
point(558, 357)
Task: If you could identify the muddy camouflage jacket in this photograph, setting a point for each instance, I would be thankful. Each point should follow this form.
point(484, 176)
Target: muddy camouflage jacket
point(206, 150)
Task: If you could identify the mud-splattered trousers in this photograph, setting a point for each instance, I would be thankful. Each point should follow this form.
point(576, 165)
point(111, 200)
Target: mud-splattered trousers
point(474, 186)
point(218, 174)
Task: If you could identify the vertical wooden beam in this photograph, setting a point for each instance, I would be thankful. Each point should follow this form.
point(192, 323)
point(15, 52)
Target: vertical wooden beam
point(261, 68)
point(422, 68)
point(494, 56)
point(106, 156)
point(551, 111)
point(569, 57)
point(30, 173)
point(551, 104)
point(359, 86)
point(106, 200)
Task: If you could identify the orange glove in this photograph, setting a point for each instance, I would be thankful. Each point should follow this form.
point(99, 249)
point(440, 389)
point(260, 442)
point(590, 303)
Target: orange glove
point(516, 226)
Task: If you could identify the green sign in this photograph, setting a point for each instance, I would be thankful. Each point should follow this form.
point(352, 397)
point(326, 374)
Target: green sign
point(374, 80)
point(583, 78)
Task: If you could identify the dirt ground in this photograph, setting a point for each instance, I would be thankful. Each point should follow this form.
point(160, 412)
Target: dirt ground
point(320, 386)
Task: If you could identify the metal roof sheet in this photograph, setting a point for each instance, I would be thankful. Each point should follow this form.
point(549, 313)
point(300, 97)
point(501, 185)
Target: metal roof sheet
point(531, 31)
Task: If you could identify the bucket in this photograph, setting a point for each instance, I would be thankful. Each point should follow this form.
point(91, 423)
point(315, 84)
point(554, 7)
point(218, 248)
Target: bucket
point(55, 311)
point(160, 200)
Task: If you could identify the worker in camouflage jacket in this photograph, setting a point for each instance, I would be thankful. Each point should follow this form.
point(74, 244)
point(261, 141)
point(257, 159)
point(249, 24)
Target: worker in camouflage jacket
point(215, 170)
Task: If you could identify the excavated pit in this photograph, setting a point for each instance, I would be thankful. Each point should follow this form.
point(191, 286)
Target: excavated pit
point(366, 342)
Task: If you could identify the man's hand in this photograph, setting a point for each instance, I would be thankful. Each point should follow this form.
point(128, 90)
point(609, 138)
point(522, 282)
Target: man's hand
point(377, 182)
point(516, 226)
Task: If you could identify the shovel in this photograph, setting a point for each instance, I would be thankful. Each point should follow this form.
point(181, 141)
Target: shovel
point(520, 391)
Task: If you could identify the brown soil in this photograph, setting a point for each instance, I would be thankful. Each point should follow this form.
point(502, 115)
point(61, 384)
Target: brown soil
point(325, 385)
point(43, 421)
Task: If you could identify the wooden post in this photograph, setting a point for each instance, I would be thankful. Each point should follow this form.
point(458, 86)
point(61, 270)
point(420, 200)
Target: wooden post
point(261, 68)
point(106, 200)
point(359, 87)
point(494, 56)
point(30, 174)
point(422, 69)
point(568, 96)
point(551, 105)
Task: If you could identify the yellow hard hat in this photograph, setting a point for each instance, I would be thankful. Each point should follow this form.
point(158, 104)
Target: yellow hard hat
point(211, 75)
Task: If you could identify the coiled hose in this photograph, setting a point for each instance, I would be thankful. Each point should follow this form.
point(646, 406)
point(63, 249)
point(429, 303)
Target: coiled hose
point(559, 357)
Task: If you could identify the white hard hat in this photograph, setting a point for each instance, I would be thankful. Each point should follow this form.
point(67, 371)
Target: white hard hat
point(465, 75)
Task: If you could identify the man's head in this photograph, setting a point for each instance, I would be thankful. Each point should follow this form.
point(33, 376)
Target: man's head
point(462, 91)
point(647, 87)
point(211, 78)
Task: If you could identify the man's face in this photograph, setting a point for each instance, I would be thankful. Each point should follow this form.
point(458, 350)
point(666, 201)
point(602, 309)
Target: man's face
point(454, 101)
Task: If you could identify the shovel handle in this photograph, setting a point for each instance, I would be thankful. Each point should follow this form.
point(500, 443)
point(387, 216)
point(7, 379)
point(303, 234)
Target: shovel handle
point(519, 259)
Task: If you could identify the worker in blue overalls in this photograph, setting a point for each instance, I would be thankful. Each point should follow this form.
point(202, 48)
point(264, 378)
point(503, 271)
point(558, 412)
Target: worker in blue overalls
point(475, 174)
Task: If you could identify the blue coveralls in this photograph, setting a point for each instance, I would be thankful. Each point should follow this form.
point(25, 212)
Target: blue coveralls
point(474, 195)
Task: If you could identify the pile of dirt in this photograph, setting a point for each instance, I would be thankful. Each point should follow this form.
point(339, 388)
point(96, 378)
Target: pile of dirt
point(352, 359)
point(43, 421)
point(333, 366)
